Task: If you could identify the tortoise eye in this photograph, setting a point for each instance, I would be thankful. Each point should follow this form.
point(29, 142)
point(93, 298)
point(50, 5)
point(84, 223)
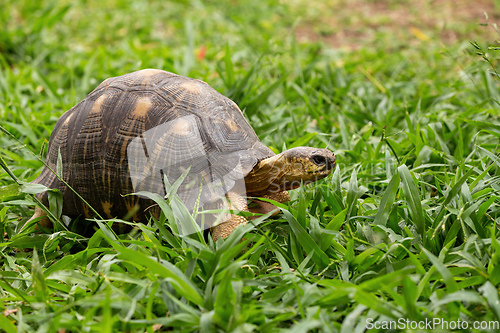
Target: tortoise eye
point(318, 160)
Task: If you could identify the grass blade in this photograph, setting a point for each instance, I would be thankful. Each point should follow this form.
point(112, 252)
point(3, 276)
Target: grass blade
point(412, 197)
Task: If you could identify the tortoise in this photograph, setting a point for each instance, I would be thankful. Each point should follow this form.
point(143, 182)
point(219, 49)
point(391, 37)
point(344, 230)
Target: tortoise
point(136, 130)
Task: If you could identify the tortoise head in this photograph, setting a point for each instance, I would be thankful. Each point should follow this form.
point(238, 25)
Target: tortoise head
point(290, 169)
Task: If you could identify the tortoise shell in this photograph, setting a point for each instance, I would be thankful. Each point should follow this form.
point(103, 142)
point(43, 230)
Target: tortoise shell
point(134, 131)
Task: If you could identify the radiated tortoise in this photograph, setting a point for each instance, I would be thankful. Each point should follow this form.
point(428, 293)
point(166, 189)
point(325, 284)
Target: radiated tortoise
point(142, 130)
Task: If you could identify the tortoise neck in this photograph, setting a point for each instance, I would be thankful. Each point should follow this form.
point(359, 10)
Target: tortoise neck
point(266, 175)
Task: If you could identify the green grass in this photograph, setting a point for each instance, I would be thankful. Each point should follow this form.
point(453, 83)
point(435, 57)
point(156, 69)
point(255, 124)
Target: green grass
point(406, 227)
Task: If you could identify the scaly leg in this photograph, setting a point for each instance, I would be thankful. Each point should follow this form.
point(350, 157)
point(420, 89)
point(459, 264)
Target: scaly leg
point(44, 222)
point(224, 229)
point(263, 207)
point(237, 202)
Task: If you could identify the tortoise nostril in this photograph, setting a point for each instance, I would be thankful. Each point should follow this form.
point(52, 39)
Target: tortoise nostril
point(318, 160)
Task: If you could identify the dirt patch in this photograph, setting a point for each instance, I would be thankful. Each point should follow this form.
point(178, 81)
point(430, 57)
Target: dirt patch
point(350, 24)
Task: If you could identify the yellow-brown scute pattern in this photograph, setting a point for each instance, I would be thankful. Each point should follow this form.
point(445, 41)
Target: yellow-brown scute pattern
point(132, 206)
point(98, 104)
point(142, 106)
point(232, 125)
point(86, 211)
point(106, 207)
point(181, 127)
point(193, 86)
point(149, 72)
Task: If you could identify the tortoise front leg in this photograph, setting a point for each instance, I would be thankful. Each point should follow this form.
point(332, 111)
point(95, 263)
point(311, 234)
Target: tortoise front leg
point(263, 207)
point(237, 202)
point(224, 229)
point(44, 222)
